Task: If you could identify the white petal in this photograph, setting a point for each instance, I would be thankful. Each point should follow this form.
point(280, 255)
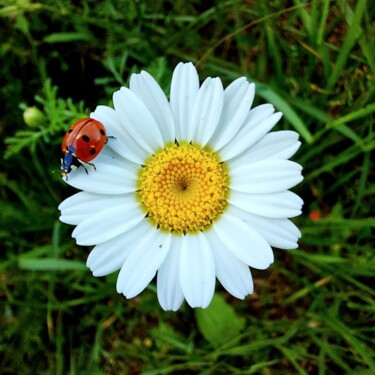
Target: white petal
point(233, 274)
point(109, 157)
point(238, 98)
point(276, 145)
point(275, 205)
point(109, 256)
point(243, 241)
point(197, 270)
point(81, 197)
point(108, 178)
point(108, 223)
point(123, 143)
point(259, 113)
point(137, 119)
point(207, 110)
point(267, 176)
point(149, 91)
point(169, 291)
point(83, 205)
point(142, 263)
point(248, 135)
point(280, 233)
point(184, 89)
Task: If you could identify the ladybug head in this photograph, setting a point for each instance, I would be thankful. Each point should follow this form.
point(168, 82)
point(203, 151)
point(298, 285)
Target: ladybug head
point(68, 160)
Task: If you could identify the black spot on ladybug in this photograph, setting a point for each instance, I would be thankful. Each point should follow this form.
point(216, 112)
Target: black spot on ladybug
point(92, 151)
point(102, 132)
point(69, 131)
point(86, 138)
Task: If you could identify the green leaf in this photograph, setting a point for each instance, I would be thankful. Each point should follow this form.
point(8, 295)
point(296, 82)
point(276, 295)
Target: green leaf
point(219, 322)
point(67, 37)
point(51, 264)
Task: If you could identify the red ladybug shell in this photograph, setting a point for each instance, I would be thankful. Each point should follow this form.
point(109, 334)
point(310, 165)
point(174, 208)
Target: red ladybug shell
point(85, 139)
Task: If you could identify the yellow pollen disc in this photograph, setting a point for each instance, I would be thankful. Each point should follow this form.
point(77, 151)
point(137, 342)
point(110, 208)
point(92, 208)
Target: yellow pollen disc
point(183, 188)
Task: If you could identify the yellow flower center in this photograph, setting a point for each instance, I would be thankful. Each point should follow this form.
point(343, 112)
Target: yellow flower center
point(183, 188)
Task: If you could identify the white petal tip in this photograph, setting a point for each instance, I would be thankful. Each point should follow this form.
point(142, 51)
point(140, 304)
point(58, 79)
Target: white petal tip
point(119, 288)
point(170, 308)
point(97, 273)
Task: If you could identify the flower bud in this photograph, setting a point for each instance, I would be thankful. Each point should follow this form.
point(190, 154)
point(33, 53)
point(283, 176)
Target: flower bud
point(33, 117)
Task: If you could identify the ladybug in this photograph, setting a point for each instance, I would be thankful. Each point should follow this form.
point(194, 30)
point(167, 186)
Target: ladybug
point(81, 144)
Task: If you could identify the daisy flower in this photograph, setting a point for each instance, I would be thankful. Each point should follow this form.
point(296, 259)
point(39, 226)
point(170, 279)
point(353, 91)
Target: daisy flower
point(191, 189)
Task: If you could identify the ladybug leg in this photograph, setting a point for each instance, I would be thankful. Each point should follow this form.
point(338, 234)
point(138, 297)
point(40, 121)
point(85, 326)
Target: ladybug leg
point(83, 166)
point(77, 163)
point(110, 136)
point(92, 165)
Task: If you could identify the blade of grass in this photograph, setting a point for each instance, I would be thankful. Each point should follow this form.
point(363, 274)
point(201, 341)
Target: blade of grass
point(274, 51)
point(348, 334)
point(288, 112)
point(323, 20)
point(310, 109)
point(355, 115)
point(304, 291)
point(340, 159)
point(328, 350)
point(51, 265)
point(351, 134)
point(365, 170)
point(244, 28)
point(320, 41)
point(326, 268)
point(257, 344)
point(68, 37)
point(366, 45)
point(292, 356)
point(353, 33)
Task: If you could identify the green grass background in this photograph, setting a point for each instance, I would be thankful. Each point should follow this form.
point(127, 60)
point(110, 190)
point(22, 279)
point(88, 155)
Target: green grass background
point(312, 312)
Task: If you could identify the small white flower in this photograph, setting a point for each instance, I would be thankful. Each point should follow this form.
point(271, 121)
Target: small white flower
point(192, 189)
